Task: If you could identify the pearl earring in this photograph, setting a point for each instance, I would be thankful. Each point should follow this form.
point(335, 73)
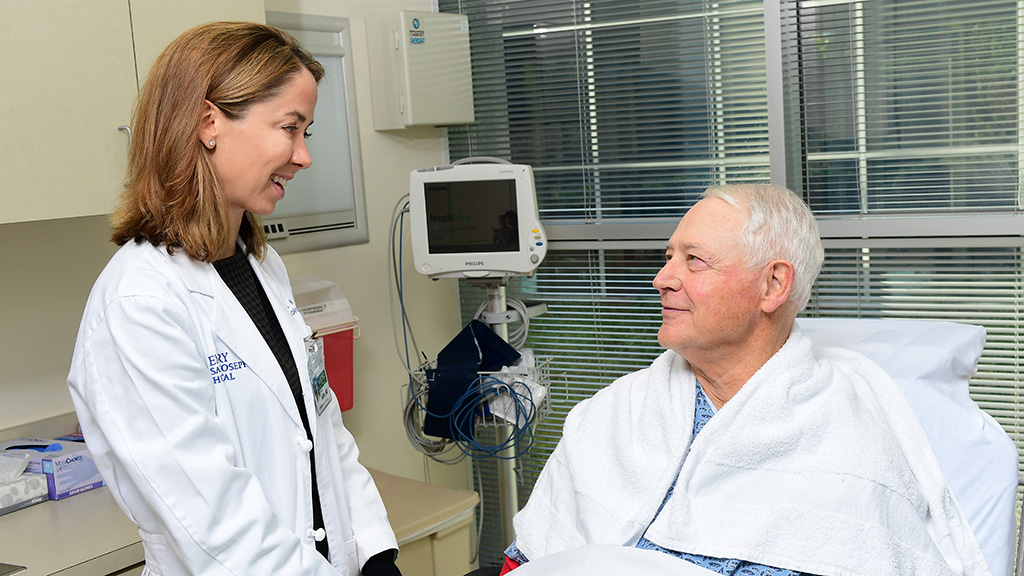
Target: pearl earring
point(212, 143)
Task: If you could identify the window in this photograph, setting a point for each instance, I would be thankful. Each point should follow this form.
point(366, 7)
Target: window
point(907, 106)
point(898, 121)
point(626, 110)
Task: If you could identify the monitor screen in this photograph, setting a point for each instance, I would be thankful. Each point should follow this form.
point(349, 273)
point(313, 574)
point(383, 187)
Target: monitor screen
point(471, 216)
point(475, 221)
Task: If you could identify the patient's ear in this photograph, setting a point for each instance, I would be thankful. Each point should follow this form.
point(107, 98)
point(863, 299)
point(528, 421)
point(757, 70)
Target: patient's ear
point(778, 285)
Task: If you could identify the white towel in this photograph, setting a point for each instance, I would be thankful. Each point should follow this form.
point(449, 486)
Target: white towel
point(818, 464)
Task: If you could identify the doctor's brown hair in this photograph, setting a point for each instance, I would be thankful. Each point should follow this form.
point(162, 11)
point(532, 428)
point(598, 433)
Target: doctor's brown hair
point(173, 196)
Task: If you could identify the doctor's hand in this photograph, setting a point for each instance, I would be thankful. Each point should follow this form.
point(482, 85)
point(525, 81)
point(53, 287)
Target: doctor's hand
point(382, 564)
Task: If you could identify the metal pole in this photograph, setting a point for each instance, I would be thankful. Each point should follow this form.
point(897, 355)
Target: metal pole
point(507, 493)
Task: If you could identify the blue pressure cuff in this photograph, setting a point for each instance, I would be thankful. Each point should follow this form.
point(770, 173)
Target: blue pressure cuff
point(452, 398)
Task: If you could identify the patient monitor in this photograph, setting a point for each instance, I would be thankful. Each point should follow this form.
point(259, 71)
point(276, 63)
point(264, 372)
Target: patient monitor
point(475, 221)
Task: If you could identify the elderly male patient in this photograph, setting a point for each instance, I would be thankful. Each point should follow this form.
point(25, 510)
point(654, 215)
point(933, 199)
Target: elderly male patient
point(743, 448)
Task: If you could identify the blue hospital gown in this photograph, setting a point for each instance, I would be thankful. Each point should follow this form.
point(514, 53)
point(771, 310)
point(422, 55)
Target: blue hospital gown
point(703, 411)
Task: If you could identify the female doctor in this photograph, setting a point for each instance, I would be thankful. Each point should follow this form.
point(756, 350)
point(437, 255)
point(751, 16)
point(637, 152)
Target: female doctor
point(197, 385)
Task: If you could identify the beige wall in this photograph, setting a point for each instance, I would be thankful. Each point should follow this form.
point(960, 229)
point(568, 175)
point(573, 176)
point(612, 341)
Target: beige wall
point(49, 267)
point(360, 271)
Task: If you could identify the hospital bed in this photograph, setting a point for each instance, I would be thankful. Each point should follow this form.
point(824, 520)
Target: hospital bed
point(932, 363)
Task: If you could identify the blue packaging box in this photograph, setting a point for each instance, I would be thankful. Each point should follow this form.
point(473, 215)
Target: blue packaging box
point(68, 465)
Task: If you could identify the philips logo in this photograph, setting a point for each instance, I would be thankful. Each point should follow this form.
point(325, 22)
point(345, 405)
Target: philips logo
point(474, 263)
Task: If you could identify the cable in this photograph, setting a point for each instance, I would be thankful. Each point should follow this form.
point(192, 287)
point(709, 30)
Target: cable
point(475, 402)
point(395, 279)
point(439, 449)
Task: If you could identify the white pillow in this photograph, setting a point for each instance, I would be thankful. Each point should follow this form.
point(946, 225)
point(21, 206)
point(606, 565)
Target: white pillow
point(932, 362)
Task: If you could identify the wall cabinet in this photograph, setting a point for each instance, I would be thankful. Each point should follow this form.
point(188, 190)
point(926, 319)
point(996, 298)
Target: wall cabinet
point(72, 71)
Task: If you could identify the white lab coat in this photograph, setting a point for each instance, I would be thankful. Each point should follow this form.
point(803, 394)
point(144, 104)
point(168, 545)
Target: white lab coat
point(194, 428)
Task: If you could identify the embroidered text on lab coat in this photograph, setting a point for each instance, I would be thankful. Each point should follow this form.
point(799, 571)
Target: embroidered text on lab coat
point(221, 370)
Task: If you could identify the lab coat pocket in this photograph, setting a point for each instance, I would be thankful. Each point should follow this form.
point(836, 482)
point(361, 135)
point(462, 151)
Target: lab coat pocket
point(154, 547)
point(352, 554)
point(334, 497)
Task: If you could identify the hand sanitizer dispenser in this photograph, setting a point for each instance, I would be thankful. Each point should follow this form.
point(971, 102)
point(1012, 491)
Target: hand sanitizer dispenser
point(420, 70)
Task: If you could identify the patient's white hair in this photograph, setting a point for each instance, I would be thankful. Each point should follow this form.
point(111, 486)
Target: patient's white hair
point(779, 227)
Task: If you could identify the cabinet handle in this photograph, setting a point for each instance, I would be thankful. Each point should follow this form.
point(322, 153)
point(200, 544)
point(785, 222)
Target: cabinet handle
point(127, 130)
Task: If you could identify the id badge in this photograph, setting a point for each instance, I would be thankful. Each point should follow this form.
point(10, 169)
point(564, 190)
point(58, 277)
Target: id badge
point(318, 374)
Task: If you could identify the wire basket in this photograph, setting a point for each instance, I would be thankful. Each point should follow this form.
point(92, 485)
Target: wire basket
point(517, 398)
point(532, 384)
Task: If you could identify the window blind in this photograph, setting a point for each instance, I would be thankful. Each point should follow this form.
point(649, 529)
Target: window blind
point(905, 106)
point(624, 109)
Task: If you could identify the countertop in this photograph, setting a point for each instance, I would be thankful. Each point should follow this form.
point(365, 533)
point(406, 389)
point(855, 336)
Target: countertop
point(87, 534)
